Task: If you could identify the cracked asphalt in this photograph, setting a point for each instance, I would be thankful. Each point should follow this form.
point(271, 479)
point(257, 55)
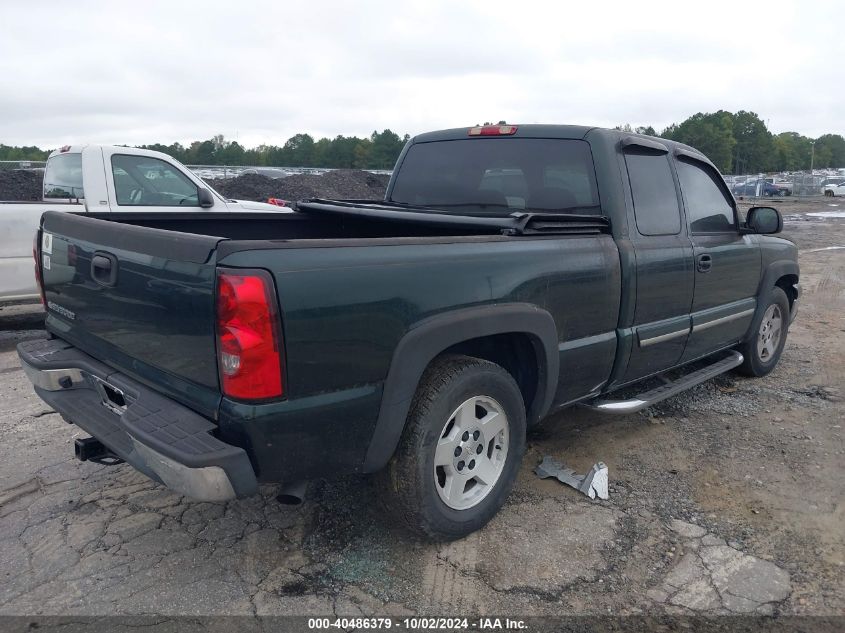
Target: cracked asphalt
point(725, 500)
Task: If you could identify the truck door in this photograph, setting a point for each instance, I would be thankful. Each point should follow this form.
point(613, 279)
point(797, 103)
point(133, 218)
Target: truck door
point(727, 263)
point(664, 265)
point(141, 183)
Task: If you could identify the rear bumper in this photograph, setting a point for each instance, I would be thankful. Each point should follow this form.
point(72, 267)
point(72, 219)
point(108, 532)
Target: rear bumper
point(161, 438)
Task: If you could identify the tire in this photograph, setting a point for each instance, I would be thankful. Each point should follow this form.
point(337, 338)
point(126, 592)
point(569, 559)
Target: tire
point(443, 412)
point(764, 346)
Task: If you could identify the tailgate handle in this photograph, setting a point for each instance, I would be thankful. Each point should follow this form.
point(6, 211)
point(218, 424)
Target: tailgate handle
point(104, 269)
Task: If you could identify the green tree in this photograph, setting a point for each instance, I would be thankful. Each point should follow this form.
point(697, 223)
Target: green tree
point(231, 154)
point(361, 159)
point(385, 149)
point(9, 152)
point(830, 151)
point(323, 153)
point(753, 150)
point(299, 151)
point(711, 134)
point(791, 151)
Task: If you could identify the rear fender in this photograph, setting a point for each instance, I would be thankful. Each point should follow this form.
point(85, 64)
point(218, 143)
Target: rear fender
point(431, 336)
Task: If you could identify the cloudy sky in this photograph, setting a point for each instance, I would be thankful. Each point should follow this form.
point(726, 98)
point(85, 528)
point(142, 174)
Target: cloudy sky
point(259, 72)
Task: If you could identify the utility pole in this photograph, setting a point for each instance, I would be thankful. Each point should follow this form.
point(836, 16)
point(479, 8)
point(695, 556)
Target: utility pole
point(812, 156)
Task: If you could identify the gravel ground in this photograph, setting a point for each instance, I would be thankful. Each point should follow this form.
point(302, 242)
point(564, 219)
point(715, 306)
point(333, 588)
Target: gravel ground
point(20, 184)
point(337, 184)
point(727, 499)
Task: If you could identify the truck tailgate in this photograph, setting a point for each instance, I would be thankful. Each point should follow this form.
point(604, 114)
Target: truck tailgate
point(136, 298)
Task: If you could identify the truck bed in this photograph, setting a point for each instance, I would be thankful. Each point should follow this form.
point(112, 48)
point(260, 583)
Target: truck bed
point(349, 289)
point(356, 219)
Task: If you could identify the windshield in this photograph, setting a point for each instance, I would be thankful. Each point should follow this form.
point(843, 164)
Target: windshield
point(63, 177)
point(499, 176)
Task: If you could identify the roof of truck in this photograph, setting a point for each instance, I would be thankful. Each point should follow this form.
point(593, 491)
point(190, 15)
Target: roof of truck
point(123, 149)
point(543, 130)
point(531, 130)
point(534, 130)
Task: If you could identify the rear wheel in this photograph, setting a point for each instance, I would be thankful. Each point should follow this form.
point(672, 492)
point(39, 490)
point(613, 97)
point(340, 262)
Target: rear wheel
point(765, 344)
point(460, 451)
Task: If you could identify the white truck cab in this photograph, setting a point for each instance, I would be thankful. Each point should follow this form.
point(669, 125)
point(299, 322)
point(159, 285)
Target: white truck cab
point(101, 179)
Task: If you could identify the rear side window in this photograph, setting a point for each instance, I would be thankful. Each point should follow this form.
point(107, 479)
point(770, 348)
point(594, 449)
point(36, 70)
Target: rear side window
point(499, 176)
point(63, 177)
point(143, 181)
point(708, 208)
point(653, 190)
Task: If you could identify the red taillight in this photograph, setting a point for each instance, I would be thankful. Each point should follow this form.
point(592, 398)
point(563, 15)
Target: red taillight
point(38, 280)
point(249, 345)
point(277, 201)
point(492, 130)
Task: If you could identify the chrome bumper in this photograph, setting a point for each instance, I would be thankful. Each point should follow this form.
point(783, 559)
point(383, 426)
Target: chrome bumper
point(161, 438)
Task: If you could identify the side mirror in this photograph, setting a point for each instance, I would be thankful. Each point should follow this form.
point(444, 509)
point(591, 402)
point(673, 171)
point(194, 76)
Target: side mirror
point(205, 198)
point(764, 220)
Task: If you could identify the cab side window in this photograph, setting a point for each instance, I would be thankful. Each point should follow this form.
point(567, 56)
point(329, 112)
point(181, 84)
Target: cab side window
point(656, 206)
point(63, 177)
point(708, 208)
point(143, 181)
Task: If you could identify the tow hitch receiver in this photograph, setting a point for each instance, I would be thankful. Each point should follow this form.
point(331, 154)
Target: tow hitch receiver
point(90, 449)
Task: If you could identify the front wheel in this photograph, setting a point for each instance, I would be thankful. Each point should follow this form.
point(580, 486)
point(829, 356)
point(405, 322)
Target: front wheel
point(764, 346)
point(460, 451)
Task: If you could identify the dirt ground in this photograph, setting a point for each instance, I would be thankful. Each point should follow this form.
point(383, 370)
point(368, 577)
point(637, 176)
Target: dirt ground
point(726, 499)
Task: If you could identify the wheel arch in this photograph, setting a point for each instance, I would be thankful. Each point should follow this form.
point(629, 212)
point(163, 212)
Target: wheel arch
point(788, 283)
point(781, 274)
point(475, 332)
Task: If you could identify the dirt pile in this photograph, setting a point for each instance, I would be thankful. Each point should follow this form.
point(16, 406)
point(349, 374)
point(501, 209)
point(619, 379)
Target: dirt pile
point(20, 184)
point(341, 183)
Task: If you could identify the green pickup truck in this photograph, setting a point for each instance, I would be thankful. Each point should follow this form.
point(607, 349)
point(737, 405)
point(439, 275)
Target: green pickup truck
point(509, 272)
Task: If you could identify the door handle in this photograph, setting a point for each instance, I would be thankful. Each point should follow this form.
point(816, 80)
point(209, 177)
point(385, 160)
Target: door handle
point(104, 269)
point(704, 263)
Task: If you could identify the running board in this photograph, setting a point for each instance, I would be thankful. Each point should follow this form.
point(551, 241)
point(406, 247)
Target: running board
point(648, 398)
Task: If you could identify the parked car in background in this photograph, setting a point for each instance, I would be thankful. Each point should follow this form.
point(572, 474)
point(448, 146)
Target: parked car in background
point(269, 172)
point(835, 190)
point(758, 187)
point(100, 178)
point(784, 185)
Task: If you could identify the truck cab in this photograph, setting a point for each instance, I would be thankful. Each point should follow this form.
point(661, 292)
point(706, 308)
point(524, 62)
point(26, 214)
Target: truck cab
point(106, 178)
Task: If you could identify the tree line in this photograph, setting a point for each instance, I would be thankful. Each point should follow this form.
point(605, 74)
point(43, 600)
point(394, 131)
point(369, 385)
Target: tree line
point(741, 143)
point(377, 151)
point(736, 143)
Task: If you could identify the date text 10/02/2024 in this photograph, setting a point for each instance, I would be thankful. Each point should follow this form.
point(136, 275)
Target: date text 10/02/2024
point(422, 623)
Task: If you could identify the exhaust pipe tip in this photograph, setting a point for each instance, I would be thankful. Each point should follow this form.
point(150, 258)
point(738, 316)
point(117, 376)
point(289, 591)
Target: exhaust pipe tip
point(292, 494)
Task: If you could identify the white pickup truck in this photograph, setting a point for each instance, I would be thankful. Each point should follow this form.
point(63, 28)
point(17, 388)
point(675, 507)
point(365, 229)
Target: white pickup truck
point(101, 179)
